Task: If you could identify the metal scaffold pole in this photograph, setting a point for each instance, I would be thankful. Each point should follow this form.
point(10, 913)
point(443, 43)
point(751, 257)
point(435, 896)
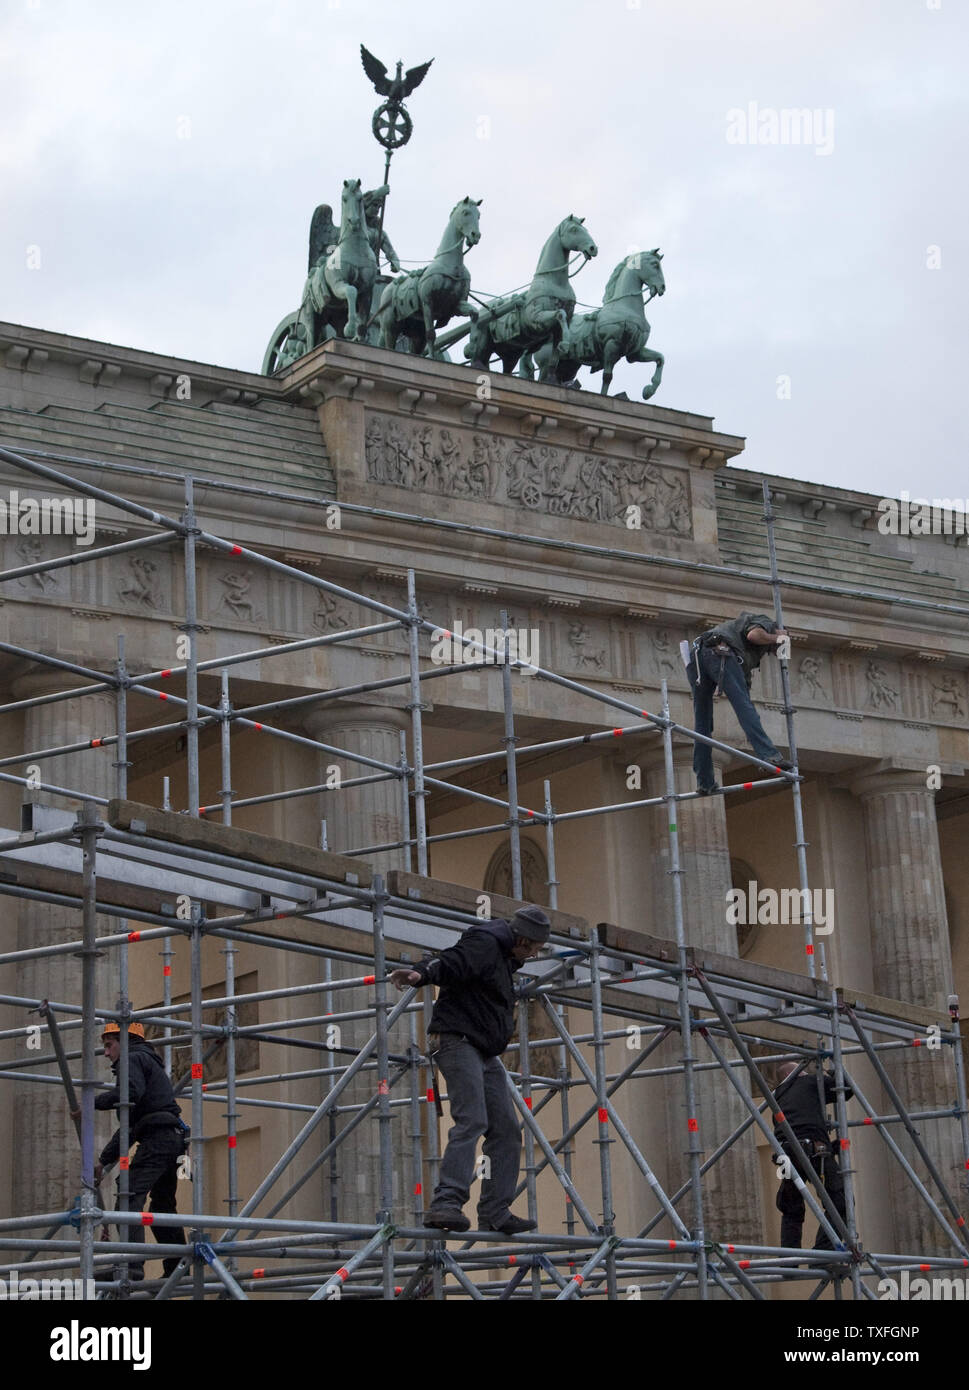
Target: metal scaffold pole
point(124, 1002)
point(88, 823)
point(812, 947)
point(693, 1144)
point(190, 627)
point(417, 736)
point(384, 1118)
point(197, 1144)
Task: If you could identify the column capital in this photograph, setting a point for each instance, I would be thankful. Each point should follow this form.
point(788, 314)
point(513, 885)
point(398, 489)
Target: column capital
point(887, 777)
point(319, 720)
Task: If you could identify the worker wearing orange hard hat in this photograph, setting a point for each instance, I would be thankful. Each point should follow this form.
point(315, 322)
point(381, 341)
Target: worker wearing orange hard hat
point(155, 1125)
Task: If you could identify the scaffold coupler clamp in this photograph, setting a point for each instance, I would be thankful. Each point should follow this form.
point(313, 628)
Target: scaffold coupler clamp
point(73, 1217)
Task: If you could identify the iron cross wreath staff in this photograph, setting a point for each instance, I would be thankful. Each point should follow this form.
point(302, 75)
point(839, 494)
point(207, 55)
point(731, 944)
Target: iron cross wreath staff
point(391, 124)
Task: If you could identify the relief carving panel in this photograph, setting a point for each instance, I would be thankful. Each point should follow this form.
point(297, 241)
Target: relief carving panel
point(527, 474)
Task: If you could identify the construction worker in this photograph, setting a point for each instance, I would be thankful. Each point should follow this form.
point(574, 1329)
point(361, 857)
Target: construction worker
point(472, 1023)
point(156, 1126)
point(800, 1099)
point(722, 660)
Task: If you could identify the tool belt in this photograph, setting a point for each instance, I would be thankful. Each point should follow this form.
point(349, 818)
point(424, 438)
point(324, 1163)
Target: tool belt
point(812, 1147)
point(711, 643)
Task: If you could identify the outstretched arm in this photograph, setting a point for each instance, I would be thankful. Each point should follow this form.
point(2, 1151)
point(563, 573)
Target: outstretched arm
point(387, 247)
point(762, 638)
point(471, 957)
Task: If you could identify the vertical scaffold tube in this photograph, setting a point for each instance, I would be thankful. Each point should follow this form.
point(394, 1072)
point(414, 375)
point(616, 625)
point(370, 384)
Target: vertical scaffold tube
point(604, 1139)
point(88, 821)
point(694, 1148)
point(525, 1063)
point(553, 883)
point(385, 1120)
point(812, 948)
point(511, 763)
point(844, 1143)
point(417, 734)
point(124, 1002)
point(198, 1123)
point(229, 951)
point(191, 664)
point(408, 852)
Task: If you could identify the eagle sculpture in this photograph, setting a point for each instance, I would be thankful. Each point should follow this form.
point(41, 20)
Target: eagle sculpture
point(394, 88)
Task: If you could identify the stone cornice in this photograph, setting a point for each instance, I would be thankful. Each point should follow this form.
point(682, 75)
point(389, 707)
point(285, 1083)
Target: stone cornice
point(576, 419)
point(106, 364)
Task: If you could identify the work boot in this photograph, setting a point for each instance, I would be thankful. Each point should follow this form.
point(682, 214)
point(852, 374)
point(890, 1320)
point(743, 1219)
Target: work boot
point(708, 791)
point(784, 764)
point(511, 1225)
point(446, 1219)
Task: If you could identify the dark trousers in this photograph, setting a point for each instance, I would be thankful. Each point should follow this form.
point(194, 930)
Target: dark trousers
point(154, 1174)
point(791, 1205)
point(734, 686)
point(480, 1102)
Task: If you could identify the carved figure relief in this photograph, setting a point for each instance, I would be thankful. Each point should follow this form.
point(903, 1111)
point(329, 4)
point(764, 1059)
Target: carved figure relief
point(534, 475)
point(666, 655)
point(947, 695)
point(31, 552)
point(583, 654)
point(881, 695)
point(809, 678)
point(236, 599)
point(331, 615)
point(142, 585)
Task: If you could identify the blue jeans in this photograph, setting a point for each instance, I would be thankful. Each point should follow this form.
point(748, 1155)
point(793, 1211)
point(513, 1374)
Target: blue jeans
point(735, 688)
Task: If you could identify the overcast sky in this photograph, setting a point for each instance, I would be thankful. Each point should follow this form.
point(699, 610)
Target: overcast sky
point(166, 158)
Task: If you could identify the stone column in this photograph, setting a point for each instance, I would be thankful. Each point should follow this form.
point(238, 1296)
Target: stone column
point(357, 817)
point(731, 1200)
point(912, 962)
point(47, 1171)
point(362, 815)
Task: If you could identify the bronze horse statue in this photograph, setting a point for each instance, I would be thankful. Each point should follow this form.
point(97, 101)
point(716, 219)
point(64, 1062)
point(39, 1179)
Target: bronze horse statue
point(519, 323)
point(619, 329)
point(339, 288)
point(413, 305)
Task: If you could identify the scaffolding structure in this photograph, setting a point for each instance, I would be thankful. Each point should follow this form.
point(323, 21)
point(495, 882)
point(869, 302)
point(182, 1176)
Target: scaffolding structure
point(721, 1009)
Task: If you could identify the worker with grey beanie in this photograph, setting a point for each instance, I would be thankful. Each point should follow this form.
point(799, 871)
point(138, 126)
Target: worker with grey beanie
point(471, 1024)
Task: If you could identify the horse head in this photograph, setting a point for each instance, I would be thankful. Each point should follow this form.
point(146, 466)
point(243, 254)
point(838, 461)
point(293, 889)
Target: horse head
point(352, 203)
point(464, 220)
point(574, 237)
point(647, 265)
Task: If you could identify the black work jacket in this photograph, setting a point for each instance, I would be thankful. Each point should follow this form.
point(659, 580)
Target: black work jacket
point(476, 979)
point(734, 634)
point(801, 1104)
point(150, 1094)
